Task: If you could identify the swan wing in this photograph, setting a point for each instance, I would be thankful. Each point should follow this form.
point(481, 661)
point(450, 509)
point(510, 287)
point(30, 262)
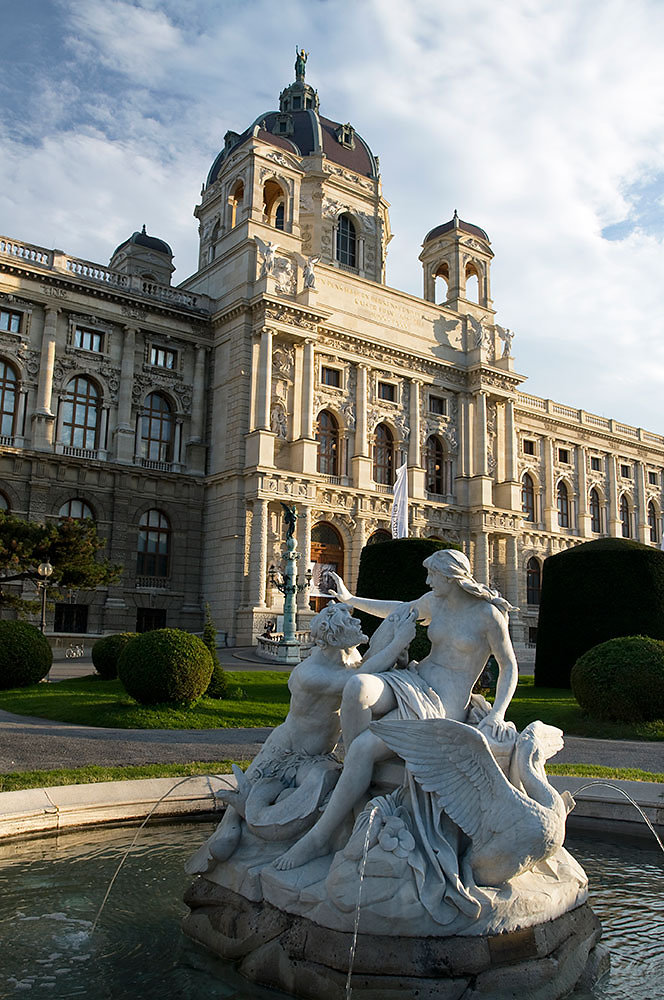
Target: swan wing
point(454, 761)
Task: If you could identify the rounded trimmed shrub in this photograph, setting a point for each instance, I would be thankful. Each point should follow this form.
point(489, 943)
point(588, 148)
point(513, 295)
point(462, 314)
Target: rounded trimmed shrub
point(393, 571)
point(25, 654)
point(622, 679)
point(592, 593)
point(106, 653)
point(165, 666)
point(218, 686)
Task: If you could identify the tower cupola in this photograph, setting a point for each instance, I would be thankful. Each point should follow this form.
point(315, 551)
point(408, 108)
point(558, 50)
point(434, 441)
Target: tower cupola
point(299, 96)
point(459, 254)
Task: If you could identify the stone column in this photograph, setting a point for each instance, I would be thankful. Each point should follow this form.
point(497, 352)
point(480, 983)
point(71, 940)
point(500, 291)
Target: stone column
point(481, 439)
point(298, 376)
point(361, 445)
point(43, 417)
point(583, 509)
point(614, 526)
point(510, 442)
point(198, 396)
point(258, 554)
point(550, 512)
point(304, 548)
point(512, 571)
point(264, 395)
point(124, 432)
point(481, 569)
point(414, 451)
point(308, 390)
point(642, 526)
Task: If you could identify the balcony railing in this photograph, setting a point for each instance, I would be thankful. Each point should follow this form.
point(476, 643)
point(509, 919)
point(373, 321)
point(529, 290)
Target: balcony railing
point(6, 441)
point(153, 582)
point(90, 453)
point(150, 463)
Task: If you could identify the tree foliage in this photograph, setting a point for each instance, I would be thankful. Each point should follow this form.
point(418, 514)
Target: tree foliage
point(71, 546)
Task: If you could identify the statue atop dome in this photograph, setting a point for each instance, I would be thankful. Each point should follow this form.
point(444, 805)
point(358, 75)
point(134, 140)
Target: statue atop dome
point(300, 64)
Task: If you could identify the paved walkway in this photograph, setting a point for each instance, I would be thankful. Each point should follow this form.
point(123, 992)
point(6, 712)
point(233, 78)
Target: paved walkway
point(29, 744)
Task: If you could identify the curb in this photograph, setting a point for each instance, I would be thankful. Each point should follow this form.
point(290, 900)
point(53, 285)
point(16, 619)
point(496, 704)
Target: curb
point(67, 807)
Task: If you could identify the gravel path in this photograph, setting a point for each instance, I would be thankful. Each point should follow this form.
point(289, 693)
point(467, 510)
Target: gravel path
point(29, 744)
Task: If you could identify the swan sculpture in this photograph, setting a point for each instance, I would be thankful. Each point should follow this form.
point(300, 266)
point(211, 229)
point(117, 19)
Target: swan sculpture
point(510, 829)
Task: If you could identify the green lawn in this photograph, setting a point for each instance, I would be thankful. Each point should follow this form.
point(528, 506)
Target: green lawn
point(18, 780)
point(558, 707)
point(91, 701)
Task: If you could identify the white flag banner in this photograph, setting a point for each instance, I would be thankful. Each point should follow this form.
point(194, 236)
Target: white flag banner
point(400, 504)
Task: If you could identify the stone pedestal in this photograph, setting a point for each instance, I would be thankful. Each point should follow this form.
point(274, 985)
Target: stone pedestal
point(274, 948)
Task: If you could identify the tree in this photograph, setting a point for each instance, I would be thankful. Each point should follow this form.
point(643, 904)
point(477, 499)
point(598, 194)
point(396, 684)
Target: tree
point(71, 546)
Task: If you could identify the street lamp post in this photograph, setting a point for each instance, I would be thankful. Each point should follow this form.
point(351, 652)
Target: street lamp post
point(289, 646)
point(44, 571)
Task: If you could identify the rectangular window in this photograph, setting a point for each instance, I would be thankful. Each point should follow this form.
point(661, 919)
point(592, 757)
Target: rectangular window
point(10, 321)
point(162, 357)
point(652, 478)
point(387, 391)
point(532, 635)
point(148, 619)
point(563, 456)
point(89, 340)
point(71, 618)
point(626, 471)
point(528, 447)
point(330, 376)
point(595, 463)
point(438, 405)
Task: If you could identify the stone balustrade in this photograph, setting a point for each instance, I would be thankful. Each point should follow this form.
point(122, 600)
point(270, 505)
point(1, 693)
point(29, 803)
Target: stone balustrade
point(526, 402)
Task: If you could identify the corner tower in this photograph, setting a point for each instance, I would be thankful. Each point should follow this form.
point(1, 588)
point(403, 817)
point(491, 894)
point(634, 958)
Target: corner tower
point(459, 253)
point(301, 181)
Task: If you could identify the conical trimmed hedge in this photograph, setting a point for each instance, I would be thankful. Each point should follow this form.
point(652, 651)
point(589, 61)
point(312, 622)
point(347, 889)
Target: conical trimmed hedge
point(393, 571)
point(594, 592)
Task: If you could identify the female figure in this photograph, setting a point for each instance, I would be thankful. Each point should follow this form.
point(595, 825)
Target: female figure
point(467, 622)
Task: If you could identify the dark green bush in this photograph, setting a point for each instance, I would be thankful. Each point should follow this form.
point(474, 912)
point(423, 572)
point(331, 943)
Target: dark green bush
point(25, 655)
point(165, 666)
point(106, 653)
point(621, 680)
point(218, 686)
point(594, 592)
point(393, 571)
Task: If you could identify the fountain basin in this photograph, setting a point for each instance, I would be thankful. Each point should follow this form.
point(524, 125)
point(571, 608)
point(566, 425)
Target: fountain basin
point(275, 948)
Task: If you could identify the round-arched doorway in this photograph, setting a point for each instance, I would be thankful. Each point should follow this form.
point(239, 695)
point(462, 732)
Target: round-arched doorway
point(327, 553)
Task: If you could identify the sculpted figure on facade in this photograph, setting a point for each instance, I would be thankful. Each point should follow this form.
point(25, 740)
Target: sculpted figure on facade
point(309, 274)
point(268, 252)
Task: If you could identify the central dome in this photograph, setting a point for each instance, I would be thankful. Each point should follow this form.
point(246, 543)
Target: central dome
point(299, 128)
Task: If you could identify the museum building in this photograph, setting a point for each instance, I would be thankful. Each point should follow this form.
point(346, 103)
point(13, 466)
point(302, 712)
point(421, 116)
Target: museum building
point(286, 370)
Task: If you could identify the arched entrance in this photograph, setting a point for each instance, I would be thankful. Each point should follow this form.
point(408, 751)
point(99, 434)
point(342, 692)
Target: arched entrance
point(327, 553)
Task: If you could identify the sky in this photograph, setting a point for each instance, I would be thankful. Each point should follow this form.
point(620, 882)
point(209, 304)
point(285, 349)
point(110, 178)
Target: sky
point(540, 121)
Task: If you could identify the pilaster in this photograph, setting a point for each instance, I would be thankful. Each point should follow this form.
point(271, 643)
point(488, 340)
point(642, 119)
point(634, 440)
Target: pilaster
point(43, 418)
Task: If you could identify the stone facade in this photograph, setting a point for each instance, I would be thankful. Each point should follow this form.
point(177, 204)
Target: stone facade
point(286, 370)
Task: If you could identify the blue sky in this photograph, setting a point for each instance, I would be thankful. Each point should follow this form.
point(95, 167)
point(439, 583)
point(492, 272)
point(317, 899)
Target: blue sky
point(540, 121)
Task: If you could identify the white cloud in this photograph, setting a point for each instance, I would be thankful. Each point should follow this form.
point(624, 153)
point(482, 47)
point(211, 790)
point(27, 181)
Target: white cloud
point(535, 119)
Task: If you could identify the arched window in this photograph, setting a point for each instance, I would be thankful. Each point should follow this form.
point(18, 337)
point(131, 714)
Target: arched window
point(652, 521)
point(273, 204)
point(625, 518)
point(533, 581)
point(383, 456)
point(80, 414)
point(528, 497)
point(379, 536)
point(236, 201)
point(4, 504)
point(327, 435)
point(77, 509)
point(441, 278)
point(8, 399)
point(154, 535)
point(595, 512)
point(563, 505)
point(472, 283)
point(436, 467)
point(346, 241)
point(157, 429)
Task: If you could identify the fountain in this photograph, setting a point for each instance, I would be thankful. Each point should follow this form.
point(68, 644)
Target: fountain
point(441, 814)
